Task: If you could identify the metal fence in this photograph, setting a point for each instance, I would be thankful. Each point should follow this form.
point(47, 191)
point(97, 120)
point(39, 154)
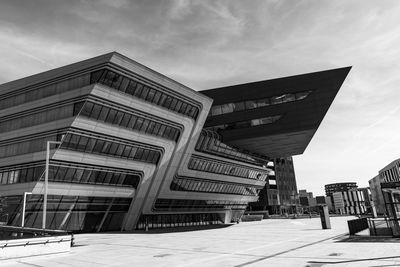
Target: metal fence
point(13, 232)
point(383, 227)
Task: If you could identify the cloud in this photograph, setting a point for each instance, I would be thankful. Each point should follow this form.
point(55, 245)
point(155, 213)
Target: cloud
point(206, 44)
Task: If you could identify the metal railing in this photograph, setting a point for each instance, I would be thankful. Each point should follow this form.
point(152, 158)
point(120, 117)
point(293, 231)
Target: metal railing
point(383, 227)
point(14, 232)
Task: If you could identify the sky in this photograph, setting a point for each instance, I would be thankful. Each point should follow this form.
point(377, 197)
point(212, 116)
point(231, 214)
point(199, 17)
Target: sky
point(206, 44)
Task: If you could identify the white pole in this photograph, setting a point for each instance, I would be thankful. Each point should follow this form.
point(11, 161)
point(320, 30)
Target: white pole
point(23, 208)
point(46, 181)
point(46, 184)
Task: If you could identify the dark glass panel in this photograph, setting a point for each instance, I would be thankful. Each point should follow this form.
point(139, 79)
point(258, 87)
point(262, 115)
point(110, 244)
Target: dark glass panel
point(167, 132)
point(95, 111)
point(174, 102)
point(113, 148)
point(144, 93)
point(114, 178)
point(150, 95)
point(82, 143)
point(98, 147)
point(95, 76)
point(60, 176)
point(86, 176)
point(151, 127)
point(162, 130)
point(74, 141)
point(125, 120)
point(107, 178)
point(23, 174)
point(69, 175)
point(103, 113)
point(167, 102)
point(133, 152)
point(157, 97)
point(109, 78)
point(118, 117)
point(132, 122)
point(124, 84)
point(178, 106)
point(139, 123)
point(106, 147)
point(120, 150)
point(145, 125)
point(116, 82)
point(131, 87)
point(183, 108)
point(77, 108)
point(145, 155)
point(138, 90)
point(87, 109)
point(127, 151)
point(90, 145)
point(156, 130)
point(156, 157)
point(162, 99)
point(139, 154)
point(111, 116)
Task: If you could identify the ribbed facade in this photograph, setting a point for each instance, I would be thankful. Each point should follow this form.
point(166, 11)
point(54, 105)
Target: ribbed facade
point(132, 153)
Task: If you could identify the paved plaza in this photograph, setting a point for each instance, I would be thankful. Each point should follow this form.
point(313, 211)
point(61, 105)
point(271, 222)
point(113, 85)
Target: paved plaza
point(274, 242)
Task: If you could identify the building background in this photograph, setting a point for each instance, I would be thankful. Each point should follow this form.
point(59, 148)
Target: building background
point(388, 178)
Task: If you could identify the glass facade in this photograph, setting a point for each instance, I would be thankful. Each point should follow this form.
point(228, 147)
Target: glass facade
point(246, 124)
point(257, 103)
point(110, 147)
point(211, 186)
point(209, 143)
point(129, 120)
point(69, 173)
point(87, 174)
point(23, 146)
point(225, 168)
point(39, 91)
point(72, 213)
point(147, 93)
point(33, 118)
point(21, 173)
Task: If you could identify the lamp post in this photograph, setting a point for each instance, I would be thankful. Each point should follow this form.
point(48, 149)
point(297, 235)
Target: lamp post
point(23, 208)
point(46, 181)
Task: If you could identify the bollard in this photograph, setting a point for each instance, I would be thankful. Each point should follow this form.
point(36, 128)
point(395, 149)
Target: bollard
point(324, 214)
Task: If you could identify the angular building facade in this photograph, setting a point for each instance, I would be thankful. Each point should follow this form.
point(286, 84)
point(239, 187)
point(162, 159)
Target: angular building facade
point(134, 149)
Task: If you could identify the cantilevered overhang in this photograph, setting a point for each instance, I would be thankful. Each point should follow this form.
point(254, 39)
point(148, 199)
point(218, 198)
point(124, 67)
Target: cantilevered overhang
point(297, 120)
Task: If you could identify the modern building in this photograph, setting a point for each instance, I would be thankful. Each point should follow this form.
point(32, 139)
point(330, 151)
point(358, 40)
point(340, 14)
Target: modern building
point(321, 200)
point(338, 187)
point(307, 200)
point(366, 192)
point(349, 202)
point(376, 194)
point(134, 149)
point(387, 180)
point(280, 195)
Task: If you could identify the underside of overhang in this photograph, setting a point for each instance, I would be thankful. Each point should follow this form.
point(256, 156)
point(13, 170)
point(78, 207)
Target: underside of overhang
point(299, 120)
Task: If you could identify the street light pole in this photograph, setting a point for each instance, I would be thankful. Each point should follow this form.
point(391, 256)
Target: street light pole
point(23, 208)
point(46, 181)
